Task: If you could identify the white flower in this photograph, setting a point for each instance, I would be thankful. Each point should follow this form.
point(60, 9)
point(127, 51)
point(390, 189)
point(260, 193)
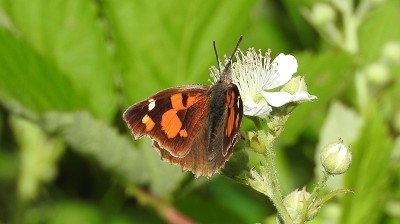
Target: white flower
point(256, 76)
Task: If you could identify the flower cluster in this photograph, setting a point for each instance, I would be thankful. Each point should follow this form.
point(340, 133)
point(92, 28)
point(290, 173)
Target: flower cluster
point(263, 84)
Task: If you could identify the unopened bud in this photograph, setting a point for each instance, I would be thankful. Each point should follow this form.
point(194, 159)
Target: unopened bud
point(296, 84)
point(322, 14)
point(294, 202)
point(336, 158)
point(391, 52)
point(378, 73)
point(255, 143)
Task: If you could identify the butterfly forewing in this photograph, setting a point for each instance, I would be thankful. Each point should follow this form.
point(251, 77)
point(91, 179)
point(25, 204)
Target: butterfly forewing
point(167, 117)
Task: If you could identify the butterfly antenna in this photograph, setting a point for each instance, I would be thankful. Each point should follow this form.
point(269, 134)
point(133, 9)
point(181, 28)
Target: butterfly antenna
point(216, 55)
point(236, 47)
point(227, 70)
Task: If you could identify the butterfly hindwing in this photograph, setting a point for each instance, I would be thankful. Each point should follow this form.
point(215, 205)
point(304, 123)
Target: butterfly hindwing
point(213, 145)
point(205, 155)
point(233, 118)
point(197, 158)
point(167, 117)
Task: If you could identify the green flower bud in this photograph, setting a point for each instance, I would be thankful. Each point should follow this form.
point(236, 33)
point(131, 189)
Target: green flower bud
point(257, 181)
point(294, 202)
point(391, 52)
point(377, 74)
point(296, 84)
point(322, 14)
point(255, 143)
point(336, 158)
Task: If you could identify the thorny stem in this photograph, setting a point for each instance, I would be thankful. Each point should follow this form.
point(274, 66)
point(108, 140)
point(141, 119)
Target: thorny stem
point(313, 196)
point(272, 179)
point(320, 185)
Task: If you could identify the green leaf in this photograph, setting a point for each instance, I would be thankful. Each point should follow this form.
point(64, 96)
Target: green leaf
point(95, 139)
point(8, 166)
point(167, 43)
point(29, 79)
point(68, 211)
point(68, 37)
point(115, 152)
point(368, 175)
point(373, 35)
point(225, 202)
point(64, 212)
point(304, 31)
point(39, 155)
point(164, 177)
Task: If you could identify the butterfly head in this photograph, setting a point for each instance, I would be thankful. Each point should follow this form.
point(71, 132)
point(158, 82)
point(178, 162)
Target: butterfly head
point(226, 74)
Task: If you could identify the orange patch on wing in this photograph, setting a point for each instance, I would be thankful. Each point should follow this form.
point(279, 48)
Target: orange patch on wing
point(148, 122)
point(232, 101)
point(170, 123)
point(183, 133)
point(176, 101)
point(191, 100)
point(231, 119)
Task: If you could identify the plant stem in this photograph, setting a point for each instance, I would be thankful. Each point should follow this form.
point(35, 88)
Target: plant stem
point(319, 186)
point(166, 211)
point(350, 24)
point(272, 180)
point(313, 196)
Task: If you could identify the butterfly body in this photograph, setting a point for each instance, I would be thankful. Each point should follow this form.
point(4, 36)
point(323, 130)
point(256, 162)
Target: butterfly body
point(193, 126)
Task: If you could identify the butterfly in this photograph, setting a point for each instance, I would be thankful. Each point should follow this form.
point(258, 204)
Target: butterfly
point(193, 126)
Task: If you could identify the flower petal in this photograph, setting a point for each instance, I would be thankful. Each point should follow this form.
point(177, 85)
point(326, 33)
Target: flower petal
point(251, 108)
point(303, 96)
point(281, 71)
point(277, 99)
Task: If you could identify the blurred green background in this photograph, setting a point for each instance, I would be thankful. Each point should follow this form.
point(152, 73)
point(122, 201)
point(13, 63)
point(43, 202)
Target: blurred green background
point(68, 70)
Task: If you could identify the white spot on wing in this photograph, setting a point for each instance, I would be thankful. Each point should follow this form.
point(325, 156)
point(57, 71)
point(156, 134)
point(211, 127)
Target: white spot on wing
point(152, 104)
